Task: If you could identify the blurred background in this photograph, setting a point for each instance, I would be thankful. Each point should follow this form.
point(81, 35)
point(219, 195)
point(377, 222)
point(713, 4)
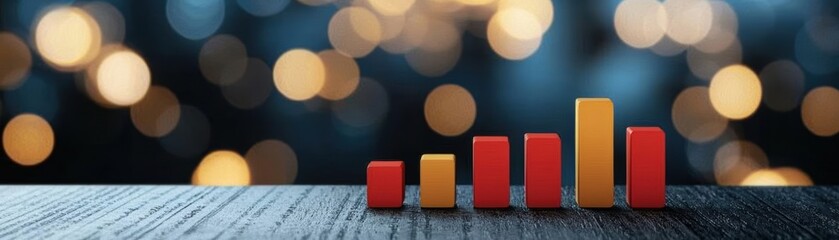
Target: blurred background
point(309, 91)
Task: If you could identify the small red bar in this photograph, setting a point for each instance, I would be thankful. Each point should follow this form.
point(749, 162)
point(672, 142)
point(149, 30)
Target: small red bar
point(491, 172)
point(645, 167)
point(385, 184)
point(542, 170)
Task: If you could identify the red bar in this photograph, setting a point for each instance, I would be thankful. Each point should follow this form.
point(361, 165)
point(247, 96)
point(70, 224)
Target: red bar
point(542, 170)
point(645, 167)
point(385, 184)
point(491, 172)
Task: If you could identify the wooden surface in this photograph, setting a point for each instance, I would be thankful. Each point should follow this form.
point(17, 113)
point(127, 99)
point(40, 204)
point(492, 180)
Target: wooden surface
point(337, 212)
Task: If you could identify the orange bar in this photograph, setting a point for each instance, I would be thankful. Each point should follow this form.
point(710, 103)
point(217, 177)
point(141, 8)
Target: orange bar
point(437, 187)
point(595, 185)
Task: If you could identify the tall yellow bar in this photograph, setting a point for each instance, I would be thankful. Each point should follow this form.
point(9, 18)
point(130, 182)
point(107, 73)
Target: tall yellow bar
point(595, 185)
point(437, 187)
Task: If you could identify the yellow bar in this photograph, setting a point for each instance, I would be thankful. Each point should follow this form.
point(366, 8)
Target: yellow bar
point(594, 156)
point(437, 187)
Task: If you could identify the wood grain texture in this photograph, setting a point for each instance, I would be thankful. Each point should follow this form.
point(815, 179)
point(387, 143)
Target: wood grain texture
point(340, 212)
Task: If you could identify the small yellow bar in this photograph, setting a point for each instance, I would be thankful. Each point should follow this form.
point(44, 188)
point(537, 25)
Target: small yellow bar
point(595, 185)
point(437, 187)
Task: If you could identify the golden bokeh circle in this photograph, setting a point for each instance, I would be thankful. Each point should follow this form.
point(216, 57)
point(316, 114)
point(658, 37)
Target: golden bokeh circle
point(764, 177)
point(514, 34)
point(68, 38)
point(272, 162)
point(299, 74)
point(28, 139)
point(794, 176)
point(110, 20)
point(222, 168)
point(695, 118)
point(391, 7)
point(412, 33)
point(688, 21)
point(782, 176)
point(820, 112)
point(157, 113)
point(704, 65)
point(723, 30)
point(735, 92)
point(354, 31)
point(450, 110)
point(640, 23)
point(16, 60)
point(735, 160)
point(541, 10)
point(223, 59)
point(342, 75)
point(123, 78)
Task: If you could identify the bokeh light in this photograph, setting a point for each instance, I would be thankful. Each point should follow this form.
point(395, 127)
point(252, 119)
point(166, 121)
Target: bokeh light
point(735, 92)
point(342, 75)
point(28, 139)
point(783, 176)
point(640, 23)
point(272, 162)
point(253, 88)
point(542, 10)
point(123, 78)
point(110, 20)
point(783, 85)
point(392, 27)
point(820, 111)
point(764, 177)
point(667, 47)
point(263, 8)
point(700, 156)
point(392, 7)
point(157, 113)
point(434, 64)
point(364, 108)
point(695, 118)
point(450, 110)
point(223, 59)
point(16, 61)
point(735, 160)
point(411, 34)
point(222, 168)
point(354, 31)
point(704, 65)
point(514, 33)
point(794, 176)
point(195, 19)
point(439, 51)
point(475, 2)
point(689, 21)
point(68, 38)
point(299, 74)
point(723, 30)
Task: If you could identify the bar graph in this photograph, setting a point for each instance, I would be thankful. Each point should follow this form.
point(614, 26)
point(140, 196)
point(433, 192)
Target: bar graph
point(594, 153)
point(593, 158)
point(645, 167)
point(437, 185)
point(385, 183)
point(491, 168)
point(542, 170)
